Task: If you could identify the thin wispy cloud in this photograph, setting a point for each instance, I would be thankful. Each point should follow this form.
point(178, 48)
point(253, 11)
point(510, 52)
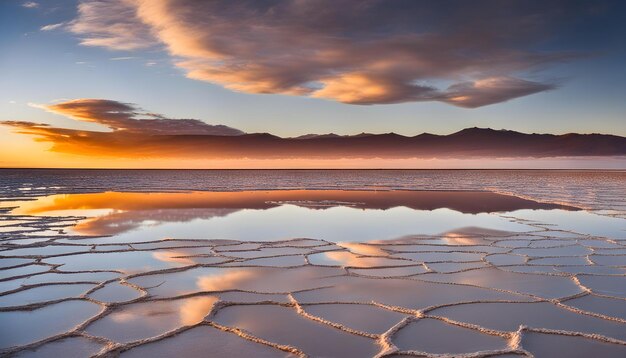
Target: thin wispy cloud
point(124, 58)
point(111, 24)
point(359, 53)
point(30, 4)
point(52, 27)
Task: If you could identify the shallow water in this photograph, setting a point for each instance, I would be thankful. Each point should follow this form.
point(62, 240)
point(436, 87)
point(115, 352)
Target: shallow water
point(434, 336)
point(592, 189)
point(273, 274)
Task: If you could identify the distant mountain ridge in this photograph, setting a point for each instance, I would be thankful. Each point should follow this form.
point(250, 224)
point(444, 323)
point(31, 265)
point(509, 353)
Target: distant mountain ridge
point(469, 142)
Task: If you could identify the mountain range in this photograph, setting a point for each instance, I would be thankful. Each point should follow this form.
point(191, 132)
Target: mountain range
point(470, 142)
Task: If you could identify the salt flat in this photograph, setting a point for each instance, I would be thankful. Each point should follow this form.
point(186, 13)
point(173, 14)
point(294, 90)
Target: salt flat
point(309, 273)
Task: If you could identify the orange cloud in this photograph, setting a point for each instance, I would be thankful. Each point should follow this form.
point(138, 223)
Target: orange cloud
point(361, 54)
point(129, 118)
point(361, 88)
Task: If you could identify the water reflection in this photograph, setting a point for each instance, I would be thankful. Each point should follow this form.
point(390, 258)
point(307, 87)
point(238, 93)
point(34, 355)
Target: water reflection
point(144, 320)
point(334, 215)
point(470, 202)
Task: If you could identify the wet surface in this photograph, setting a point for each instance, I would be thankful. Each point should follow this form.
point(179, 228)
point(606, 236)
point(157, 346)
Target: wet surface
point(73, 347)
point(203, 341)
point(434, 336)
point(286, 326)
point(554, 345)
point(309, 273)
point(149, 319)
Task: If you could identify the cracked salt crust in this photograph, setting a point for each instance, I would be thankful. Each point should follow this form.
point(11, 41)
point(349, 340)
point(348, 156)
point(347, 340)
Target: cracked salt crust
point(541, 292)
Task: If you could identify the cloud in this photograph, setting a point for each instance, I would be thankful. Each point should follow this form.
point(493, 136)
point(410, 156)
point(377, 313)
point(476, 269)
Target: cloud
point(30, 5)
point(361, 53)
point(132, 132)
point(128, 118)
point(111, 24)
point(133, 144)
point(362, 88)
point(492, 90)
point(52, 26)
point(122, 58)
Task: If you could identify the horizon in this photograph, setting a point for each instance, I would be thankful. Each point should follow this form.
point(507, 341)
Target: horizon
point(469, 148)
point(322, 169)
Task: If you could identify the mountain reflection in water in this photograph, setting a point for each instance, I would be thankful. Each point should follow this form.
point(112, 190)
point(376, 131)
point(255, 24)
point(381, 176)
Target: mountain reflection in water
point(282, 214)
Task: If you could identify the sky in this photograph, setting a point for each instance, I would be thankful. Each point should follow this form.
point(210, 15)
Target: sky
point(294, 67)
